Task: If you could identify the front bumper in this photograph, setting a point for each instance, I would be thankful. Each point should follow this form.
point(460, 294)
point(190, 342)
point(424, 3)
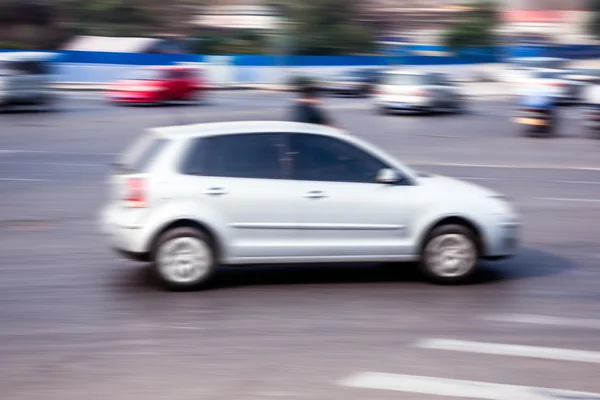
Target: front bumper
point(504, 240)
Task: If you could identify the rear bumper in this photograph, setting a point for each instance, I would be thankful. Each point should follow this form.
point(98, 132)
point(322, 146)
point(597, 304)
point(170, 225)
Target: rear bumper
point(122, 229)
point(131, 97)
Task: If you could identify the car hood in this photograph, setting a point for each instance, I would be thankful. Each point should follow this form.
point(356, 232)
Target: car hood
point(443, 185)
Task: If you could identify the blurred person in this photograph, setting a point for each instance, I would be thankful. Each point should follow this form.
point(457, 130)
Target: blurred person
point(538, 98)
point(306, 107)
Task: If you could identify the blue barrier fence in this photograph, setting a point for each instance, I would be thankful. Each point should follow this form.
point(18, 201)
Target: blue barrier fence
point(409, 54)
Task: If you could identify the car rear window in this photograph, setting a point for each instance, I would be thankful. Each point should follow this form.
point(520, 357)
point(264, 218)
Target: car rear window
point(141, 155)
point(146, 75)
point(403, 79)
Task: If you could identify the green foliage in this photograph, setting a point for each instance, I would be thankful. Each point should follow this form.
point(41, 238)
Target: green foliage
point(231, 43)
point(594, 22)
point(14, 46)
point(108, 17)
point(476, 29)
point(327, 27)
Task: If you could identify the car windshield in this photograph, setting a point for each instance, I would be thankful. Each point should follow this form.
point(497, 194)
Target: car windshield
point(547, 75)
point(356, 75)
point(586, 72)
point(403, 79)
point(545, 64)
point(146, 75)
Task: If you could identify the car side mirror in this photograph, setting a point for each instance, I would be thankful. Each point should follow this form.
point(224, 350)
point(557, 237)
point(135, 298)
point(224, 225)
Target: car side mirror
point(387, 176)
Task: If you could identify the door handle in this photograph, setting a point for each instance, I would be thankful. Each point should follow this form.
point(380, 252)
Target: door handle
point(315, 194)
point(215, 191)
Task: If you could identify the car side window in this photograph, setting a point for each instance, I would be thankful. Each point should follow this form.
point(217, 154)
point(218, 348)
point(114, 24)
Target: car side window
point(255, 156)
point(322, 158)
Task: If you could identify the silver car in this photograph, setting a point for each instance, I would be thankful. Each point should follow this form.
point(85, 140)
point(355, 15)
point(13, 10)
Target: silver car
point(402, 90)
point(190, 198)
point(25, 78)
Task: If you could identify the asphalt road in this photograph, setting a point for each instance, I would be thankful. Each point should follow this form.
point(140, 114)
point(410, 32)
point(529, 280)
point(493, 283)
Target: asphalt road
point(78, 323)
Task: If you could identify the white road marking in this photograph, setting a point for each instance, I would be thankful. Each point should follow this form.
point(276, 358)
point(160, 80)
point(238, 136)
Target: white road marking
point(25, 151)
point(54, 164)
point(24, 180)
point(499, 166)
point(545, 320)
point(478, 178)
point(548, 353)
point(568, 199)
point(577, 182)
point(460, 388)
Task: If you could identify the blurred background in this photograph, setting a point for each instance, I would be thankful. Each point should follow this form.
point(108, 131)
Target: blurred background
point(519, 84)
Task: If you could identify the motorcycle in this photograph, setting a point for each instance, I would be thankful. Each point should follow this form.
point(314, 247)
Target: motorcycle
point(538, 116)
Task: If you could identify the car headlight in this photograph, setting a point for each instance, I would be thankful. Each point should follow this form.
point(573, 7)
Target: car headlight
point(503, 198)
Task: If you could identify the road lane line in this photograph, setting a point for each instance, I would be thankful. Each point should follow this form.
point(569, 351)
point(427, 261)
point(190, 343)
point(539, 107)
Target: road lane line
point(483, 178)
point(459, 388)
point(544, 320)
point(567, 199)
point(24, 180)
point(548, 353)
point(77, 153)
point(499, 166)
point(54, 164)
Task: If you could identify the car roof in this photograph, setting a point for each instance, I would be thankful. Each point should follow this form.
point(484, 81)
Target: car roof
point(243, 127)
point(26, 56)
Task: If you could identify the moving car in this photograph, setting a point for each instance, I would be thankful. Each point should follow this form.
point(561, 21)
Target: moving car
point(190, 198)
point(158, 85)
point(563, 90)
point(518, 70)
point(357, 82)
point(401, 90)
point(25, 78)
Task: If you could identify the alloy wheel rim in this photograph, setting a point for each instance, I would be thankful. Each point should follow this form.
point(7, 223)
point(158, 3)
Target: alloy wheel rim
point(184, 259)
point(450, 255)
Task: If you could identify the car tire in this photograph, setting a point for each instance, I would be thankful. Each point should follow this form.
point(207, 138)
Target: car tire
point(383, 111)
point(449, 254)
point(184, 259)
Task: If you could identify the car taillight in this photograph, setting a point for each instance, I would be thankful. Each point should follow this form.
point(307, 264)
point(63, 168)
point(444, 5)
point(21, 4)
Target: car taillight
point(556, 84)
point(135, 195)
point(420, 93)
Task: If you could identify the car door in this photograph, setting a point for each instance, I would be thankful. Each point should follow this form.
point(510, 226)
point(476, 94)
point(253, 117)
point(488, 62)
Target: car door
point(241, 182)
point(344, 213)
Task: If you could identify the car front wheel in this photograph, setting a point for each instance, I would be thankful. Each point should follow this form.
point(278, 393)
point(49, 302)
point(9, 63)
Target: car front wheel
point(450, 254)
point(184, 259)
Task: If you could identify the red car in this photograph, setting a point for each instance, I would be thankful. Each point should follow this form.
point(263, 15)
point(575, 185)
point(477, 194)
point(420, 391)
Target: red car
point(157, 85)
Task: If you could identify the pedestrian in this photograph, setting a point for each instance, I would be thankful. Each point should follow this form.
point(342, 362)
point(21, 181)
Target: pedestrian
point(306, 107)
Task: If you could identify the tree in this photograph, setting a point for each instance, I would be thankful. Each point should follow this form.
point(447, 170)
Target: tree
point(475, 29)
point(327, 27)
point(594, 22)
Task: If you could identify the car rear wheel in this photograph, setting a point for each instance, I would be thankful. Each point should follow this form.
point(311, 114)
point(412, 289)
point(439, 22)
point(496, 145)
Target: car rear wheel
point(184, 259)
point(450, 254)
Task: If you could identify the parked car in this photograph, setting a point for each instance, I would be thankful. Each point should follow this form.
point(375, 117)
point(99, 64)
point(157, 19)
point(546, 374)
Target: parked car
point(25, 78)
point(190, 198)
point(158, 85)
point(357, 82)
point(402, 90)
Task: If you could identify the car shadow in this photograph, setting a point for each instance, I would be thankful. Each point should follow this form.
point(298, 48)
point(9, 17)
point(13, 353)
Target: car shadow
point(529, 263)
